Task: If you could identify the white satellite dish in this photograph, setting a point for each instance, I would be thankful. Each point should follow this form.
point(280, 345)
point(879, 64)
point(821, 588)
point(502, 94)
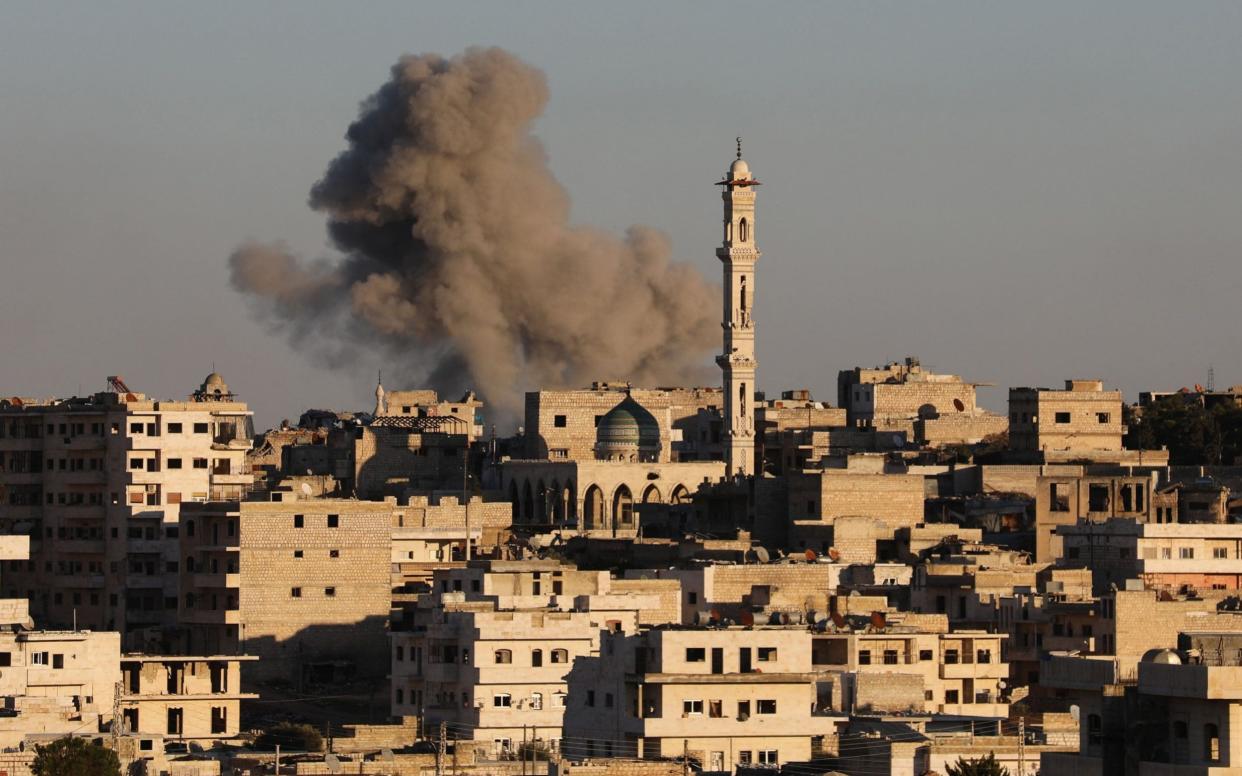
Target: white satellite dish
point(1075, 712)
point(306, 489)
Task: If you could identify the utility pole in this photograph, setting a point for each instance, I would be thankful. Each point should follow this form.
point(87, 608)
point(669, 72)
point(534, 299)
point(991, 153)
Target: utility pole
point(685, 757)
point(440, 752)
point(278, 760)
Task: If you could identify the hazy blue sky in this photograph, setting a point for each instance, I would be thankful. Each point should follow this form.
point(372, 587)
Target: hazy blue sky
point(1018, 193)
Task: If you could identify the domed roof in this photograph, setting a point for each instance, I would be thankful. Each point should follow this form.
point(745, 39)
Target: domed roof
point(213, 379)
point(739, 170)
point(627, 425)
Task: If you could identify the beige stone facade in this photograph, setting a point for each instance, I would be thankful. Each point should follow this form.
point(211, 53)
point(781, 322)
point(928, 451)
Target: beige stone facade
point(300, 584)
point(97, 484)
point(1083, 418)
point(1067, 499)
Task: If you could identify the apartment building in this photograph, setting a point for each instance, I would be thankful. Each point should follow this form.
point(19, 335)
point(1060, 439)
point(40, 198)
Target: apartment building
point(1081, 418)
point(1066, 499)
point(725, 697)
point(97, 483)
point(1172, 556)
point(187, 698)
point(490, 651)
point(306, 585)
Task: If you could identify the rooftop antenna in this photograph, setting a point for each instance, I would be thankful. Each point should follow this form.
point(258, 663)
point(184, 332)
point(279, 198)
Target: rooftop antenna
point(1211, 381)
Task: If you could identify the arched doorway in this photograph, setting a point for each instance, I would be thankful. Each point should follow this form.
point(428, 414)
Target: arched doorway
point(541, 504)
point(556, 498)
point(593, 508)
point(515, 500)
point(570, 498)
point(651, 495)
point(623, 507)
point(528, 504)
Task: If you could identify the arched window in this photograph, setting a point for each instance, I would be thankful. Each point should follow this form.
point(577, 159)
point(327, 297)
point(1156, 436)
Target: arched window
point(556, 498)
point(743, 230)
point(651, 495)
point(681, 495)
point(541, 503)
point(558, 699)
point(728, 231)
point(594, 507)
point(743, 293)
point(741, 400)
point(528, 503)
point(623, 506)
point(1211, 742)
point(570, 497)
point(536, 657)
point(536, 700)
point(560, 656)
point(504, 656)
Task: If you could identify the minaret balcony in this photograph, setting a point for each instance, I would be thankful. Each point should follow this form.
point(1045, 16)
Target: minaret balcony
point(735, 361)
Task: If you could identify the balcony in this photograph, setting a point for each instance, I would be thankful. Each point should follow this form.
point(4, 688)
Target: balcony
point(991, 670)
point(75, 546)
point(1070, 672)
point(1069, 643)
point(993, 708)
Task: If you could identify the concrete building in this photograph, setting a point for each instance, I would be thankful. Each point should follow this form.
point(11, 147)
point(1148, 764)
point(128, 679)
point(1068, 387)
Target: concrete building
point(1170, 556)
point(304, 585)
point(738, 253)
point(857, 487)
point(930, 408)
point(97, 484)
point(489, 652)
point(184, 698)
point(458, 417)
point(1067, 499)
point(1078, 421)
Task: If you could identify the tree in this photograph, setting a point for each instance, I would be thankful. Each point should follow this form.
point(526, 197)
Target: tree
point(74, 757)
point(291, 736)
point(977, 766)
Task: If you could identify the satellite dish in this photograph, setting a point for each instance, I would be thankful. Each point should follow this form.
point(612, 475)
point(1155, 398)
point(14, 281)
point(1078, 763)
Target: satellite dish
point(833, 554)
point(878, 620)
point(762, 554)
point(958, 405)
point(387, 756)
point(1075, 712)
point(810, 555)
point(1198, 388)
point(838, 620)
point(333, 763)
point(306, 489)
point(714, 615)
point(747, 619)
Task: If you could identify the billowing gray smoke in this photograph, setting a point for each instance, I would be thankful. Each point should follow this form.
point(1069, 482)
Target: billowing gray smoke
point(459, 263)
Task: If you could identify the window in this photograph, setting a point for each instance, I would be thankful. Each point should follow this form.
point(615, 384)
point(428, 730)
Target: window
point(1059, 496)
point(696, 654)
point(765, 707)
point(691, 708)
point(767, 654)
point(329, 592)
point(925, 654)
point(590, 698)
point(200, 463)
point(334, 553)
point(1102, 417)
point(299, 521)
point(298, 553)
point(768, 757)
point(864, 657)
point(559, 421)
point(134, 428)
point(890, 657)
point(950, 656)
point(58, 661)
point(1062, 417)
point(536, 658)
point(504, 656)
point(502, 700)
point(39, 658)
point(743, 757)
point(174, 463)
point(1220, 552)
point(1186, 553)
point(137, 463)
point(715, 709)
point(1211, 742)
point(536, 701)
point(608, 700)
point(296, 592)
point(558, 700)
point(560, 656)
point(6, 659)
point(201, 428)
point(985, 655)
point(174, 428)
point(950, 696)
point(692, 598)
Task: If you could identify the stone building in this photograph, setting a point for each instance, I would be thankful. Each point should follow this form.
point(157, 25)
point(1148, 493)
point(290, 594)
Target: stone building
point(304, 585)
point(97, 483)
point(857, 487)
point(488, 653)
point(464, 415)
point(1081, 422)
point(930, 408)
point(1066, 499)
point(184, 698)
point(1171, 556)
point(562, 425)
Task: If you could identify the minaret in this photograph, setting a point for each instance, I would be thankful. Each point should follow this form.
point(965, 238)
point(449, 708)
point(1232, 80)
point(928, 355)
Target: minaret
point(737, 362)
point(381, 402)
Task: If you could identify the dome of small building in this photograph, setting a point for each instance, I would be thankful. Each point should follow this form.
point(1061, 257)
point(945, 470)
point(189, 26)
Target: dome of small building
point(213, 387)
point(1168, 657)
point(627, 432)
point(739, 170)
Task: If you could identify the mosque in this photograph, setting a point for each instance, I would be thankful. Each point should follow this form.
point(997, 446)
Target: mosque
point(633, 469)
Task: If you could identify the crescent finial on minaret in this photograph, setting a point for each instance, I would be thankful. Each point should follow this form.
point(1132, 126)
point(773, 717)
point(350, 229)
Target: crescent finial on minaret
point(739, 148)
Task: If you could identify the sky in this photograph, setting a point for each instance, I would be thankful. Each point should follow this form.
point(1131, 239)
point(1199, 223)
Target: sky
point(1016, 193)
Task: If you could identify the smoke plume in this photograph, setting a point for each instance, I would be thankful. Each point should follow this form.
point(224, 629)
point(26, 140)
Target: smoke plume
point(457, 261)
